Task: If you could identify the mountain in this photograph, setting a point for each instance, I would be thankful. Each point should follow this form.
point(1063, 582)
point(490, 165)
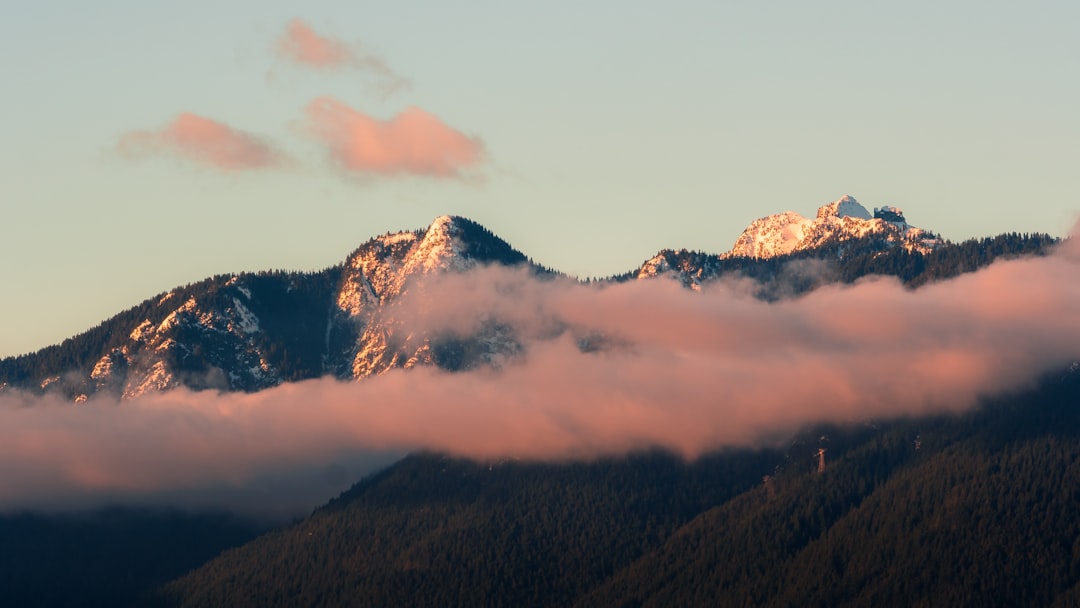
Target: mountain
point(252, 331)
point(439, 531)
point(972, 510)
point(256, 330)
point(842, 229)
point(841, 220)
point(369, 343)
point(978, 509)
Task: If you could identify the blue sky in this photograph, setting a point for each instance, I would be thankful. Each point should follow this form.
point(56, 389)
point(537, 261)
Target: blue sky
point(609, 130)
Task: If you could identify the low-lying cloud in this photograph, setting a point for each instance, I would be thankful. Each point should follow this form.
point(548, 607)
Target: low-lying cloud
point(302, 45)
point(414, 142)
point(204, 141)
point(686, 371)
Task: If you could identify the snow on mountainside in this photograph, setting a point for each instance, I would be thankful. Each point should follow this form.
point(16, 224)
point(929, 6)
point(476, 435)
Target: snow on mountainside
point(257, 330)
point(381, 270)
point(691, 268)
point(841, 220)
point(153, 358)
point(378, 270)
point(254, 331)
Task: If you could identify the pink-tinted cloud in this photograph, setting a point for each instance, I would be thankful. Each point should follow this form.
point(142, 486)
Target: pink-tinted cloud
point(204, 141)
point(302, 45)
point(412, 143)
point(689, 372)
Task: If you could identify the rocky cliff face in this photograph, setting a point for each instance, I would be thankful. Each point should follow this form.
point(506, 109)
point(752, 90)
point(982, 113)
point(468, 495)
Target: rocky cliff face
point(253, 331)
point(384, 269)
point(838, 227)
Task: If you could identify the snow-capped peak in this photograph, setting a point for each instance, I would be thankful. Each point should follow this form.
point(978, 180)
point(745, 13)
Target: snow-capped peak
point(442, 224)
point(385, 268)
point(846, 206)
point(379, 268)
point(842, 219)
point(440, 248)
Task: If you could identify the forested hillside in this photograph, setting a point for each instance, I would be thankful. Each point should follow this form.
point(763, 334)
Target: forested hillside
point(294, 334)
point(983, 513)
point(107, 557)
point(977, 510)
point(438, 531)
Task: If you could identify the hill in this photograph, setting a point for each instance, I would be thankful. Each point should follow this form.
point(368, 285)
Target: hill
point(977, 510)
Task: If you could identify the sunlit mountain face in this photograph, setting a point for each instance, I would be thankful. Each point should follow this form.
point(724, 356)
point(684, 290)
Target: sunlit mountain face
point(547, 440)
point(253, 331)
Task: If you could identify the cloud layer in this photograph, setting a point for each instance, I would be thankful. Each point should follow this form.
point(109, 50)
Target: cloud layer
point(300, 44)
point(412, 143)
point(686, 371)
point(204, 141)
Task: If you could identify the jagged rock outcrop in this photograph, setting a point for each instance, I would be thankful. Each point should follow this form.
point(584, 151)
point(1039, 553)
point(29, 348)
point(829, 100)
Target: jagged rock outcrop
point(253, 331)
point(841, 220)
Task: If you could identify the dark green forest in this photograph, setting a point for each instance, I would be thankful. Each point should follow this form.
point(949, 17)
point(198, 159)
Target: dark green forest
point(972, 510)
point(293, 307)
point(107, 557)
point(979, 509)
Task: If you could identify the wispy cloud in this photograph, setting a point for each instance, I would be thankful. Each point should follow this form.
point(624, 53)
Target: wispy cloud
point(204, 141)
point(302, 45)
point(414, 142)
point(690, 372)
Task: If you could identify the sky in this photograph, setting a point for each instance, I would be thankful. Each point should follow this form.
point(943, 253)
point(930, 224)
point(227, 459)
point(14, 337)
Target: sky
point(148, 145)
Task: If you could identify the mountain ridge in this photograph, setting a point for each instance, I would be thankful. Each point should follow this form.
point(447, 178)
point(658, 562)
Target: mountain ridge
point(251, 331)
point(841, 220)
point(645, 528)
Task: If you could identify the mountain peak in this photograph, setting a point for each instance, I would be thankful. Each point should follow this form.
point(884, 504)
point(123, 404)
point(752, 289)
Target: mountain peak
point(842, 219)
point(440, 248)
point(845, 206)
point(445, 223)
point(384, 268)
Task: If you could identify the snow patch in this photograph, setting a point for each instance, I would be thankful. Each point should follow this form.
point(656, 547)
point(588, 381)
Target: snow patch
point(157, 378)
point(102, 368)
point(247, 321)
point(171, 320)
point(846, 206)
point(139, 332)
point(654, 267)
point(396, 238)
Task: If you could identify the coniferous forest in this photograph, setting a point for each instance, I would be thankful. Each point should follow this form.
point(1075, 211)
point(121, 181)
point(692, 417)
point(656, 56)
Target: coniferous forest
point(979, 509)
point(971, 510)
point(976, 510)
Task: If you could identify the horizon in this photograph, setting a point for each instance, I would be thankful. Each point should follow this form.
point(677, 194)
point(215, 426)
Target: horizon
point(344, 257)
point(140, 161)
